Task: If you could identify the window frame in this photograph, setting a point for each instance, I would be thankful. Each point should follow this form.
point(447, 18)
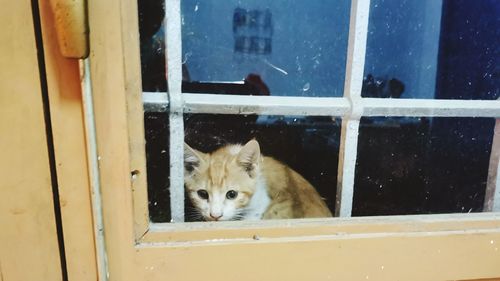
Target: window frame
point(410, 247)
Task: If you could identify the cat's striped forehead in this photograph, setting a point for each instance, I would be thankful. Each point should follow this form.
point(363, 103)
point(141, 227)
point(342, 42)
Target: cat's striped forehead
point(230, 167)
point(217, 170)
point(219, 162)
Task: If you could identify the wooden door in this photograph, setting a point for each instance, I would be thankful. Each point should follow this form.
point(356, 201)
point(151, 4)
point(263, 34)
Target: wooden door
point(46, 221)
point(29, 248)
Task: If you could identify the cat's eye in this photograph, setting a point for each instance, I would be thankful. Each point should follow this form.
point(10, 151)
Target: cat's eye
point(231, 194)
point(203, 194)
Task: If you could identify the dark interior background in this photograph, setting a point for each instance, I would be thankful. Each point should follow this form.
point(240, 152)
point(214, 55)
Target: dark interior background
point(308, 145)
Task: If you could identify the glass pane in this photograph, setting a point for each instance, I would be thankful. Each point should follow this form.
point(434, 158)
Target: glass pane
point(433, 49)
point(152, 45)
point(307, 145)
point(295, 48)
point(422, 165)
point(157, 165)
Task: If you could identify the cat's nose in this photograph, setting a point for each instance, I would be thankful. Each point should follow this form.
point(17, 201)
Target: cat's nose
point(216, 216)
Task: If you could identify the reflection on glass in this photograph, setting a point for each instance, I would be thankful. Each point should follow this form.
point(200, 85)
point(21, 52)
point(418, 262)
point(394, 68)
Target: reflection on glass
point(422, 165)
point(296, 48)
point(433, 49)
point(151, 15)
point(308, 145)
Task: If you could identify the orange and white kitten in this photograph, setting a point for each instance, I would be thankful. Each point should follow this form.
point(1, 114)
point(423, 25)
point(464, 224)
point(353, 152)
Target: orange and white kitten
point(236, 182)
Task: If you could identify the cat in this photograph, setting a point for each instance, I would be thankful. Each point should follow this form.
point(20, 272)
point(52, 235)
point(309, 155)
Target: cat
point(236, 182)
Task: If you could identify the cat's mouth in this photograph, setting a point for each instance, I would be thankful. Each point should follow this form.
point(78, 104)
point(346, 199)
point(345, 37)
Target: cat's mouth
point(237, 217)
point(214, 219)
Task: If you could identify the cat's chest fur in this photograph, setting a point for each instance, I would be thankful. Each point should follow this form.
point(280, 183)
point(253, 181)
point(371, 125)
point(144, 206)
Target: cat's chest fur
point(259, 203)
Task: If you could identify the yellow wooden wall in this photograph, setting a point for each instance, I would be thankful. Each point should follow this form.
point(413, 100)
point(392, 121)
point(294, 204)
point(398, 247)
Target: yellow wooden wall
point(28, 239)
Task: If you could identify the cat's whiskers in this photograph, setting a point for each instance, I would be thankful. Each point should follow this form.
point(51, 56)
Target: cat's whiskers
point(240, 214)
point(194, 214)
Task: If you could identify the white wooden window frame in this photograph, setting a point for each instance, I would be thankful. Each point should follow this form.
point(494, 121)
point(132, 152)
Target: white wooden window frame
point(351, 107)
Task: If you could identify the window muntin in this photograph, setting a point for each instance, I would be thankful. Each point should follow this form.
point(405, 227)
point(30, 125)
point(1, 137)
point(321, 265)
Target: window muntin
point(351, 107)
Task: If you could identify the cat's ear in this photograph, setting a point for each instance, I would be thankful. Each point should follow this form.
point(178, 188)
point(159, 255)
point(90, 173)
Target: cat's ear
point(249, 156)
point(192, 158)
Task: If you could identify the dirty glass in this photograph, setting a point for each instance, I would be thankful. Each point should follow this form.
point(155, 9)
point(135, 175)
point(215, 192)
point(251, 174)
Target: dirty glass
point(152, 45)
point(432, 49)
point(293, 48)
point(309, 145)
point(156, 127)
point(423, 49)
point(422, 165)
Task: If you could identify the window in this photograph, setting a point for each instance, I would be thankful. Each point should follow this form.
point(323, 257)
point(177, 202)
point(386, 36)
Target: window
point(239, 71)
point(343, 248)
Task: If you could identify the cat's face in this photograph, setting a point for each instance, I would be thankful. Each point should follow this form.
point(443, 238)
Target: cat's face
point(221, 184)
